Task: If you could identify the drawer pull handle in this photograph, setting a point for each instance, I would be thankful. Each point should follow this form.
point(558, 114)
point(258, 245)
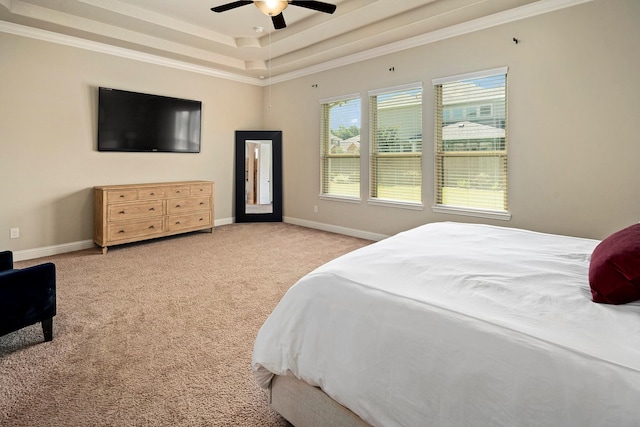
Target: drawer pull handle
point(177, 191)
point(152, 227)
point(152, 194)
point(201, 203)
point(121, 213)
point(122, 196)
point(177, 206)
point(177, 222)
point(201, 219)
point(152, 209)
point(121, 231)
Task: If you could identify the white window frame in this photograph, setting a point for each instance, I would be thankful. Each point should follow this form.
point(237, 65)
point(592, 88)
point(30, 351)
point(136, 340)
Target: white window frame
point(447, 209)
point(324, 133)
point(406, 204)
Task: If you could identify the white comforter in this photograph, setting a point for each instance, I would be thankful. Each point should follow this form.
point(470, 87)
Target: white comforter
point(455, 325)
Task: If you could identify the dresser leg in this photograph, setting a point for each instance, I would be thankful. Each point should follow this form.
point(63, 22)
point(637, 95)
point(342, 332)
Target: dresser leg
point(104, 250)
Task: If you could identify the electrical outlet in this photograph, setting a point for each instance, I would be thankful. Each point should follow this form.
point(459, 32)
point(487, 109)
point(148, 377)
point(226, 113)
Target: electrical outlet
point(315, 208)
point(15, 233)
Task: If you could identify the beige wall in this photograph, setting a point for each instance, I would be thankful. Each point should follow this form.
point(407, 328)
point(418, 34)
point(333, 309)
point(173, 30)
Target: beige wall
point(574, 122)
point(48, 157)
point(574, 132)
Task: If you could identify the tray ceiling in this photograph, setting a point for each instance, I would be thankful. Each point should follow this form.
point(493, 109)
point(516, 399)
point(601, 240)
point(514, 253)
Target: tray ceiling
point(241, 43)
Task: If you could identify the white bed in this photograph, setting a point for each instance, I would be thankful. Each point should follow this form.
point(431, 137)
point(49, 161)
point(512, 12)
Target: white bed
point(457, 324)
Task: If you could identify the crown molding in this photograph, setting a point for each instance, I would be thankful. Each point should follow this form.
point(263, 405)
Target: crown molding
point(49, 36)
point(518, 13)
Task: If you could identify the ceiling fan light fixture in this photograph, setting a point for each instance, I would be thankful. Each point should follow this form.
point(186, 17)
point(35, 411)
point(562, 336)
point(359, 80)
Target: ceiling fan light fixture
point(271, 7)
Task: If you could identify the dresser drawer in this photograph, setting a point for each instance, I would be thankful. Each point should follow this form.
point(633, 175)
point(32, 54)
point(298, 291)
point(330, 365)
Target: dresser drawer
point(135, 229)
point(121, 195)
point(177, 206)
point(178, 191)
point(195, 221)
point(123, 212)
point(151, 193)
point(201, 190)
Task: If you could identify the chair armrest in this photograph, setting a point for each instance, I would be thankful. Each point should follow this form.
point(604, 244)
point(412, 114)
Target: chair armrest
point(31, 286)
point(6, 260)
point(37, 276)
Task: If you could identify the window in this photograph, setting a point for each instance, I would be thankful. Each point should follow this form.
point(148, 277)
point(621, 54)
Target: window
point(486, 110)
point(340, 146)
point(471, 154)
point(396, 144)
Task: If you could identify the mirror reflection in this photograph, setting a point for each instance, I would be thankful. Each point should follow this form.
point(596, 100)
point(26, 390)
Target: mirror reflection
point(258, 177)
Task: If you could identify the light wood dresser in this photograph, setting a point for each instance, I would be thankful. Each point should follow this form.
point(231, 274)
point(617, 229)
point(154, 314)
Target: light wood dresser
point(134, 212)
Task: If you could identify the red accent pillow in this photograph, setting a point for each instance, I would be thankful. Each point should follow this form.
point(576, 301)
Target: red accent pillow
point(614, 272)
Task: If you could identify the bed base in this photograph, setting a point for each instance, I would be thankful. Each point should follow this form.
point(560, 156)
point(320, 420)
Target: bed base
point(304, 405)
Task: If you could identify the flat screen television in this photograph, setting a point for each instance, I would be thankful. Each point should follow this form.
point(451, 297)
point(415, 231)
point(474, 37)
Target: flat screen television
point(131, 121)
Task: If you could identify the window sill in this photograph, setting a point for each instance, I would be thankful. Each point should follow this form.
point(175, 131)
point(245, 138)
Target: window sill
point(396, 204)
point(345, 199)
point(480, 213)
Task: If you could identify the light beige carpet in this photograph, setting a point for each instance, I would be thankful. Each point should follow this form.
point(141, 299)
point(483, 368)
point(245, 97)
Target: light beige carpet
point(159, 333)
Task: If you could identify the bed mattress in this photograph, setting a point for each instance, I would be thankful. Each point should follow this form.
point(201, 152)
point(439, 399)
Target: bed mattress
point(455, 324)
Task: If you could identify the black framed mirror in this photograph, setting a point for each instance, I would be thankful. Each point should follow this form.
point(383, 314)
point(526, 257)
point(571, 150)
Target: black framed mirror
point(258, 176)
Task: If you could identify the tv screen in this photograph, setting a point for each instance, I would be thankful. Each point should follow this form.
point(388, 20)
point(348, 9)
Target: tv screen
point(131, 121)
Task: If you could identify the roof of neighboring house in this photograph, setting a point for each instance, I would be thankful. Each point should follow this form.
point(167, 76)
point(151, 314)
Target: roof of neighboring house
point(470, 130)
point(346, 144)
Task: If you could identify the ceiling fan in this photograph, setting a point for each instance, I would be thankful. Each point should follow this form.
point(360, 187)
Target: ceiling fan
point(274, 8)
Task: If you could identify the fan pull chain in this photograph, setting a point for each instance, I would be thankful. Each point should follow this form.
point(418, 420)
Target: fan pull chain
point(269, 68)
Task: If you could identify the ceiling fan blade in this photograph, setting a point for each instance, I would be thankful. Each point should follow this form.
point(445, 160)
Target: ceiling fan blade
point(278, 21)
point(230, 6)
point(315, 5)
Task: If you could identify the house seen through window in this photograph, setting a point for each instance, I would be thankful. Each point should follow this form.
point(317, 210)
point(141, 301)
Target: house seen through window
point(471, 141)
point(340, 147)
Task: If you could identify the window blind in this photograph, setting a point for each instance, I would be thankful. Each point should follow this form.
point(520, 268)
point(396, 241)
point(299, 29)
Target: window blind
point(340, 147)
point(396, 144)
point(471, 141)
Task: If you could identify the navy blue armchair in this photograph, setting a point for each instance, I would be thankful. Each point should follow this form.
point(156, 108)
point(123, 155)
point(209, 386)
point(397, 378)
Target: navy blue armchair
point(27, 296)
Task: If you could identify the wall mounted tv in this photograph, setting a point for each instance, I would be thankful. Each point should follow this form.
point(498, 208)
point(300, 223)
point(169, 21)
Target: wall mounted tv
point(131, 121)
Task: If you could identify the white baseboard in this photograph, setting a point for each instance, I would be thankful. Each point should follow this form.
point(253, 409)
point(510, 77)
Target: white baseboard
point(75, 246)
point(52, 250)
point(336, 229)
point(224, 221)
point(88, 244)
